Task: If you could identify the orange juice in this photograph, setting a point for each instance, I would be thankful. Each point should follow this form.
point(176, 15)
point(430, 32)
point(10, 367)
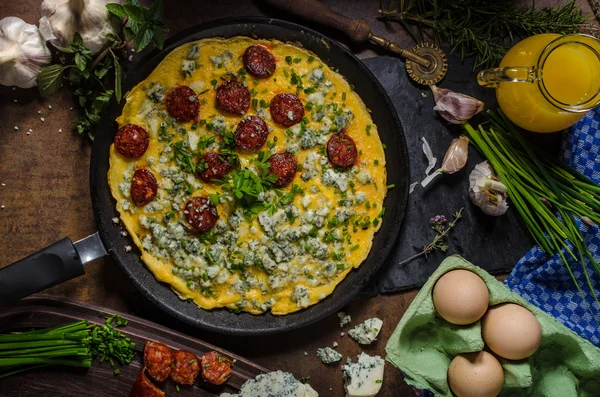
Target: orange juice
point(563, 81)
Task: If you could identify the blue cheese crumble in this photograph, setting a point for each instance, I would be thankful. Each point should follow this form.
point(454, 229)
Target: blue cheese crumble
point(274, 384)
point(366, 332)
point(328, 355)
point(363, 378)
point(345, 319)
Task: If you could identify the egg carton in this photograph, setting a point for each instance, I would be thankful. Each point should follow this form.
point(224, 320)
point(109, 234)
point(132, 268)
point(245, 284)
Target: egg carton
point(424, 344)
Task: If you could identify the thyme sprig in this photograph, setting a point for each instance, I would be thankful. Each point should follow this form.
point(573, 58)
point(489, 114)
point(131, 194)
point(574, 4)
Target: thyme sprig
point(438, 223)
point(483, 29)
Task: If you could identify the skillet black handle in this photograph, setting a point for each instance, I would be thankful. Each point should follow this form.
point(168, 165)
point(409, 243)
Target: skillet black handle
point(52, 265)
point(313, 10)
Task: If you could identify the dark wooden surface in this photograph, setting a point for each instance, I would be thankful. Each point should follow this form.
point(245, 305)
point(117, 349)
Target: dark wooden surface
point(47, 197)
point(44, 311)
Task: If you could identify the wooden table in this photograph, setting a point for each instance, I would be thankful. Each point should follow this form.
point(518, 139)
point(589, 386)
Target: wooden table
point(47, 197)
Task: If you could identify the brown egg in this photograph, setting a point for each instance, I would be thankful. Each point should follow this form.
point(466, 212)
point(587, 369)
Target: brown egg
point(511, 331)
point(475, 375)
point(460, 297)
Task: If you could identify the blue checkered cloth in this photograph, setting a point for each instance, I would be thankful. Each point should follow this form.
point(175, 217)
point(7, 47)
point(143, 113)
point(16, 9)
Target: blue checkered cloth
point(544, 281)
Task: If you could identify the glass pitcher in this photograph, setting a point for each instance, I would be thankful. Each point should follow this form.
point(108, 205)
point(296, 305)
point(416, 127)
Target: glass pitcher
point(547, 82)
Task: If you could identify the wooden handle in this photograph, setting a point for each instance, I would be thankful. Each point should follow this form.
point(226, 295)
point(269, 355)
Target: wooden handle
point(358, 29)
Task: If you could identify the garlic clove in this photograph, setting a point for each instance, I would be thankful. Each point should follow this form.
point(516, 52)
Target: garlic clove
point(23, 53)
point(455, 159)
point(486, 192)
point(456, 156)
point(454, 107)
point(61, 19)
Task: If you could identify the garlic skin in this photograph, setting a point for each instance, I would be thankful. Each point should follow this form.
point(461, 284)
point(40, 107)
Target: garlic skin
point(23, 53)
point(61, 19)
point(486, 192)
point(454, 107)
point(455, 159)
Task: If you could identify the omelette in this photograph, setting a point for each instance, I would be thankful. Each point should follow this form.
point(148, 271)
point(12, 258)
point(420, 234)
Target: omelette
point(249, 174)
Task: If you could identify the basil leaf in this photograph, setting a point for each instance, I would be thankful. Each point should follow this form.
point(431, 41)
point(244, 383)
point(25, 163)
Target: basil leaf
point(143, 37)
point(49, 79)
point(116, 9)
point(117, 78)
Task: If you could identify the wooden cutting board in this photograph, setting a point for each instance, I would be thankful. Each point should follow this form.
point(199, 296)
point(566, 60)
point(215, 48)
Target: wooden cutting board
point(40, 311)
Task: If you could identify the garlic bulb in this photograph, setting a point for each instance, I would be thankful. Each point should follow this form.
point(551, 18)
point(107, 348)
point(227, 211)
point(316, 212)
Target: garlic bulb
point(486, 191)
point(61, 19)
point(455, 159)
point(23, 53)
point(454, 107)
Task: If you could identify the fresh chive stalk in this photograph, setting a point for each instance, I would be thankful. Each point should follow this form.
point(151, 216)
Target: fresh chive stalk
point(74, 344)
point(547, 194)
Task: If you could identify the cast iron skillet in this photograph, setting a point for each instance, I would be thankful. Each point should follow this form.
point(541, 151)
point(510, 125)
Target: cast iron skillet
point(224, 321)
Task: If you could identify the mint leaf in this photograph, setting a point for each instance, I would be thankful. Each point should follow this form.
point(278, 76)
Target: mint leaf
point(134, 12)
point(117, 77)
point(143, 37)
point(159, 38)
point(49, 79)
point(157, 10)
point(116, 9)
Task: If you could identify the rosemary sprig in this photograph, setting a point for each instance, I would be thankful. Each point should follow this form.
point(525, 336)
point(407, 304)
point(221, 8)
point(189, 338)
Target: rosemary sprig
point(438, 223)
point(484, 28)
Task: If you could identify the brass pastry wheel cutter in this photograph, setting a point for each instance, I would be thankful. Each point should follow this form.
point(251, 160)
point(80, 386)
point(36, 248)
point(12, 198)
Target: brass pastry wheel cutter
point(426, 63)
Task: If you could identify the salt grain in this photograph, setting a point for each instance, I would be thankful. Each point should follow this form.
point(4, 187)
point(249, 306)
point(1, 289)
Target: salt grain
point(16, 128)
point(43, 119)
point(115, 220)
point(1, 207)
point(4, 185)
point(15, 101)
point(71, 108)
point(124, 233)
point(14, 88)
point(60, 130)
point(127, 248)
point(130, 58)
point(49, 106)
point(39, 112)
point(28, 132)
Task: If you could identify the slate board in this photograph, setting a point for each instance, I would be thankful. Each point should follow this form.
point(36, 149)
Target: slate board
point(41, 311)
point(493, 243)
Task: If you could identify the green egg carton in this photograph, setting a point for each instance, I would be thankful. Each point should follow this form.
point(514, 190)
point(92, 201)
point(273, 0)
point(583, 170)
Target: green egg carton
point(424, 344)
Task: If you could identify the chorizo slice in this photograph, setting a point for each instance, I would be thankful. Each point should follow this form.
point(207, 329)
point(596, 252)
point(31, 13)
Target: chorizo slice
point(158, 359)
point(143, 187)
point(233, 97)
point(216, 369)
point(259, 61)
point(216, 166)
point(143, 387)
point(284, 166)
point(251, 133)
point(287, 109)
point(186, 367)
point(132, 141)
point(341, 150)
point(183, 104)
point(201, 214)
